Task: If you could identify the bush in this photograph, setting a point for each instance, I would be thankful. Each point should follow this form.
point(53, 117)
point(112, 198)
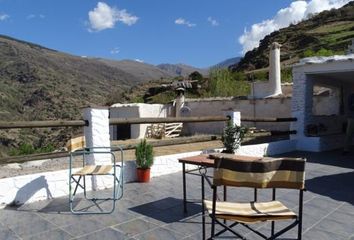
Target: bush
point(144, 155)
point(196, 76)
point(320, 53)
point(224, 83)
point(232, 137)
point(27, 149)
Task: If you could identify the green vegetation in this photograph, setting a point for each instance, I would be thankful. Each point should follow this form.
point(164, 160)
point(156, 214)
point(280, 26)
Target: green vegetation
point(224, 83)
point(232, 137)
point(163, 98)
point(196, 76)
point(320, 53)
point(144, 155)
point(26, 149)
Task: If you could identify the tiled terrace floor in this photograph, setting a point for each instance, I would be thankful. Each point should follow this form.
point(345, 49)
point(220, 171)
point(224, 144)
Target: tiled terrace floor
point(154, 210)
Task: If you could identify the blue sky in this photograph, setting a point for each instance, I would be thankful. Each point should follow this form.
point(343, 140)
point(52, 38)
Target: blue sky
point(195, 32)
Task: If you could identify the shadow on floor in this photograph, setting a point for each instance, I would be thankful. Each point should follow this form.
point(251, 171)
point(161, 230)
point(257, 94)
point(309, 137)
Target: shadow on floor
point(337, 186)
point(167, 210)
point(332, 158)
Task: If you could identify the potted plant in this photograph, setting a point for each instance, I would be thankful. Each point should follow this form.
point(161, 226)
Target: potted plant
point(144, 159)
point(232, 137)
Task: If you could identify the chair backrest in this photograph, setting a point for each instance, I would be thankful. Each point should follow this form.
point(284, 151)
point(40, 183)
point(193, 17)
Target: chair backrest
point(255, 172)
point(76, 143)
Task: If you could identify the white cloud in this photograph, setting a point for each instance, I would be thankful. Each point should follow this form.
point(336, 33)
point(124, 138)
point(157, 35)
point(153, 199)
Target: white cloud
point(31, 16)
point(104, 16)
point(213, 21)
point(297, 11)
point(182, 21)
point(139, 60)
point(115, 50)
point(3, 16)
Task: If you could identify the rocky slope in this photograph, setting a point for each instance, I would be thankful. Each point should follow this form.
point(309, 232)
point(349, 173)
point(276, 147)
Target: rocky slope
point(181, 69)
point(330, 30)
point(37, 83)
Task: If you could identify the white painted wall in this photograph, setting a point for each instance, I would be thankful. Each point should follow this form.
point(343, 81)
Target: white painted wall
point(137, 110)
point(306, 74)
point(272, 107)
point(48, 185)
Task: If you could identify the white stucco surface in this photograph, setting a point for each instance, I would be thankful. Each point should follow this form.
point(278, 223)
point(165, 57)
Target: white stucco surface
point(335, 72)
point(47, 185)
point(97, 135)
point(137, 110)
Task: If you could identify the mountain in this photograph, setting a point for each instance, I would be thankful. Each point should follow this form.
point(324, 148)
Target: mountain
point(141, 71)
point(181, 69)
point(329, 32)
point(38, 83)
point(227, 63)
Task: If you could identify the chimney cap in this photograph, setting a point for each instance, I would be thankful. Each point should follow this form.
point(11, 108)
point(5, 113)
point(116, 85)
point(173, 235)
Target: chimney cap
point(275, 45)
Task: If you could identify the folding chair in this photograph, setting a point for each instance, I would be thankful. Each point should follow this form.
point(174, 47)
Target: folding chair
point(76, 147)
point(242, 171)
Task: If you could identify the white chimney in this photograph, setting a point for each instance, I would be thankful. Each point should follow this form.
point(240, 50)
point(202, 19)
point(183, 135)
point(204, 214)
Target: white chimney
point(274, 70)
point(179, 101)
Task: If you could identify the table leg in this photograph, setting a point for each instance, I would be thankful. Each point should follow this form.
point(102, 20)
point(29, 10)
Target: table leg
point(184, 188)
point(203, 209)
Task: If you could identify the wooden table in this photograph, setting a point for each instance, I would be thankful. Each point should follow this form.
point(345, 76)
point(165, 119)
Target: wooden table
point(201, 161)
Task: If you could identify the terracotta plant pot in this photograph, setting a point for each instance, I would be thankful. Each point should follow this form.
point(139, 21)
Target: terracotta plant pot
point(143, 174)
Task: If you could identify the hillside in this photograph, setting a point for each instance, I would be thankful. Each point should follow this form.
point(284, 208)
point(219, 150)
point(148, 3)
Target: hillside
point(37, 83)
point(141, 71)
point(330, 31)
point(181, 69)
point(227, 63)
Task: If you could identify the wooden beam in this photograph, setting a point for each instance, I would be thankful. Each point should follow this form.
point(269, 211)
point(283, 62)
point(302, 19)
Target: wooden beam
point(117, 121)
point(43, 124)
point(33, 157)
point(289, 119)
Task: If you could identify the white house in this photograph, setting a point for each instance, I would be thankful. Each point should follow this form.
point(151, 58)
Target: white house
point(321, 130)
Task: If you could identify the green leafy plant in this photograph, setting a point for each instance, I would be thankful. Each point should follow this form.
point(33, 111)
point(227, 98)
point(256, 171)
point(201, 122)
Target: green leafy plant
point(232, 137)
point(27, 149)
point(144, 155)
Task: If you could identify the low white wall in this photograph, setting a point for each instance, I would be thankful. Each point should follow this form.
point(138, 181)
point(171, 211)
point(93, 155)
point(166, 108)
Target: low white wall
point(257, 108)
point(47, 185)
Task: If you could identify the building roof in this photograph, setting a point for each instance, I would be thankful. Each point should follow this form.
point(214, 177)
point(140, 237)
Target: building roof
point(320, 60)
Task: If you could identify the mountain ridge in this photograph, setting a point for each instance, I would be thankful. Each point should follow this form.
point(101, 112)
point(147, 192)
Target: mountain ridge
point(330, 31)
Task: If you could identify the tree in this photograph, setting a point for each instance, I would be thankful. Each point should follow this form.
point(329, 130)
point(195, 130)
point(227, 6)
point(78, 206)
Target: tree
point(196, 76)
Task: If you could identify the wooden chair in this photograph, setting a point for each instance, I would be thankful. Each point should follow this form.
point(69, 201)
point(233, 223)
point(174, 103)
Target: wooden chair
point(250, 172)
point(76, 147)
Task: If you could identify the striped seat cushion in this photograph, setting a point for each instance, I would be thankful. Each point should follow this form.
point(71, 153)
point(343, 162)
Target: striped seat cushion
point(94, 170)
point(250, 212)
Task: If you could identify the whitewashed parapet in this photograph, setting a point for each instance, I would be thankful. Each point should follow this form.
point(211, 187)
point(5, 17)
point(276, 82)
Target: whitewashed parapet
point(47, 185)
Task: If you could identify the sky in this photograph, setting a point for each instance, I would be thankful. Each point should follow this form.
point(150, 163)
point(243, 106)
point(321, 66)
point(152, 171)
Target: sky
point(200, 33)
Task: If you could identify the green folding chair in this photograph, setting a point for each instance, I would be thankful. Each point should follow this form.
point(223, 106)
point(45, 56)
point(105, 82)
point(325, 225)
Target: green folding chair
point(77, 178)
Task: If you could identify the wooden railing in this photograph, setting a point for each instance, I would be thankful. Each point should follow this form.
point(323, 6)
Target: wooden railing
point(117, 121)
